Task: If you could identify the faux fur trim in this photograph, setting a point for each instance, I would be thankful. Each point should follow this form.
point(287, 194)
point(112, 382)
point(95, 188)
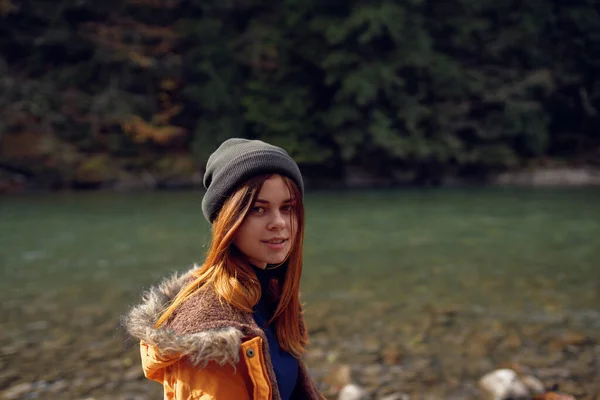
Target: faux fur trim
point(220, 345)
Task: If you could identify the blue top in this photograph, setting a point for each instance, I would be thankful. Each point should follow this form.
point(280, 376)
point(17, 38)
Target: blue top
point(284, 364)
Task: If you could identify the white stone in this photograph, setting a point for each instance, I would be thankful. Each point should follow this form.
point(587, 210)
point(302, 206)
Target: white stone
point(352, 392)
point(503, 384)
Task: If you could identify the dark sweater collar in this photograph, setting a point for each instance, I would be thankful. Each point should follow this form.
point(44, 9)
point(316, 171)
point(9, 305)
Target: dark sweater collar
point(264, 277)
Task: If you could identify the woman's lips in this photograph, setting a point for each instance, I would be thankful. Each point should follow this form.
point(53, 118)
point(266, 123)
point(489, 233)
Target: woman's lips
point(275, 244)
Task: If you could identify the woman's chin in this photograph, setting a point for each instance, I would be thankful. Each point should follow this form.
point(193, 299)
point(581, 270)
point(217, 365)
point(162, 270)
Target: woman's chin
point(276, 260)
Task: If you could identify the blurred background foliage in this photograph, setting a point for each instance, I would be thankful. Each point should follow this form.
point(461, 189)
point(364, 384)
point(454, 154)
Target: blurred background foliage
point(96, 93)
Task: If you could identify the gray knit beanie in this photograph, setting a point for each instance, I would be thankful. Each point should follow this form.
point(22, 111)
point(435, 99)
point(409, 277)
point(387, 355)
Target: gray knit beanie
point(238, 160)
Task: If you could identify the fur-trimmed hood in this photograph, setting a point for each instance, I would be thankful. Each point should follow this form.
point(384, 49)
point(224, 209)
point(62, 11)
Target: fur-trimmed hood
point(202, 329)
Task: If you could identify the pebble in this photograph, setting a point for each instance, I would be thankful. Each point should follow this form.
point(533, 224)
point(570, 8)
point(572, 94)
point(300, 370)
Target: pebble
point(58, 386)
point(352, 392)
point(373, 369)
point(93, 383)
point(390, 355)
point(17, 391)
point(14, 348)
point(37, 326)
point(399, 360)
point(503, 384)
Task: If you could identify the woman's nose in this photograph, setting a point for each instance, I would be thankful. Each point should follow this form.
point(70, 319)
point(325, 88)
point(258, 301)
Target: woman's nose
point(277, 221)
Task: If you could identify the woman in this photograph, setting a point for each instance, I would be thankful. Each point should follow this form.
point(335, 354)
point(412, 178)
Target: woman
point(233, 328)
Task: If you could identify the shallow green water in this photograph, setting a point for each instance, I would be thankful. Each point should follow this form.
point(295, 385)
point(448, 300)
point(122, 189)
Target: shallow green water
point(507, 251)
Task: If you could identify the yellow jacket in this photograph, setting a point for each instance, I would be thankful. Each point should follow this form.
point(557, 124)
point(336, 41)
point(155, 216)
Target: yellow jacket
point(207, 350)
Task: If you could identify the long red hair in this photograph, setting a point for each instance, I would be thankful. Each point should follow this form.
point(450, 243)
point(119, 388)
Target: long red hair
point(232, 277)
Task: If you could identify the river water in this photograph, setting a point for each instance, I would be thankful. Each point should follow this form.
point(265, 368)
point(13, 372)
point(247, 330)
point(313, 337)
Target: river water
point(72, 263)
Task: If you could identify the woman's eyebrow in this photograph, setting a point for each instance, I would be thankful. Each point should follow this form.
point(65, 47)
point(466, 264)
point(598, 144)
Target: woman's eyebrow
point(267, 202)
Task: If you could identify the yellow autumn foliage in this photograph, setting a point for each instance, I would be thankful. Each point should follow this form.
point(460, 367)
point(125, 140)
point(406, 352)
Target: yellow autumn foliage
point(168, 84)
point(140, 59)
point(142, 131)
point(97, 168)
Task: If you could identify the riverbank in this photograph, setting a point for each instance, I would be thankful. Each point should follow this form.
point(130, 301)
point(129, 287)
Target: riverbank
point(558, 176)
point(436, 353)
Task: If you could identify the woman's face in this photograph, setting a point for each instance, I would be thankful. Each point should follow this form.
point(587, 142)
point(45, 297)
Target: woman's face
point(269, 229)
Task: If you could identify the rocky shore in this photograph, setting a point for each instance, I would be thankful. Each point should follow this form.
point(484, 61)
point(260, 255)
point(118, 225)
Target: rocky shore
point(51, 352)
point(16, 182)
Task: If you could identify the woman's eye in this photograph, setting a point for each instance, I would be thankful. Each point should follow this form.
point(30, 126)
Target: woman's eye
point(258, 210)
point(287, 208)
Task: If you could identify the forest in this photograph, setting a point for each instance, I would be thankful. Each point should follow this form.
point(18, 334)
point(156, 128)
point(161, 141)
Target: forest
point(93, 94)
